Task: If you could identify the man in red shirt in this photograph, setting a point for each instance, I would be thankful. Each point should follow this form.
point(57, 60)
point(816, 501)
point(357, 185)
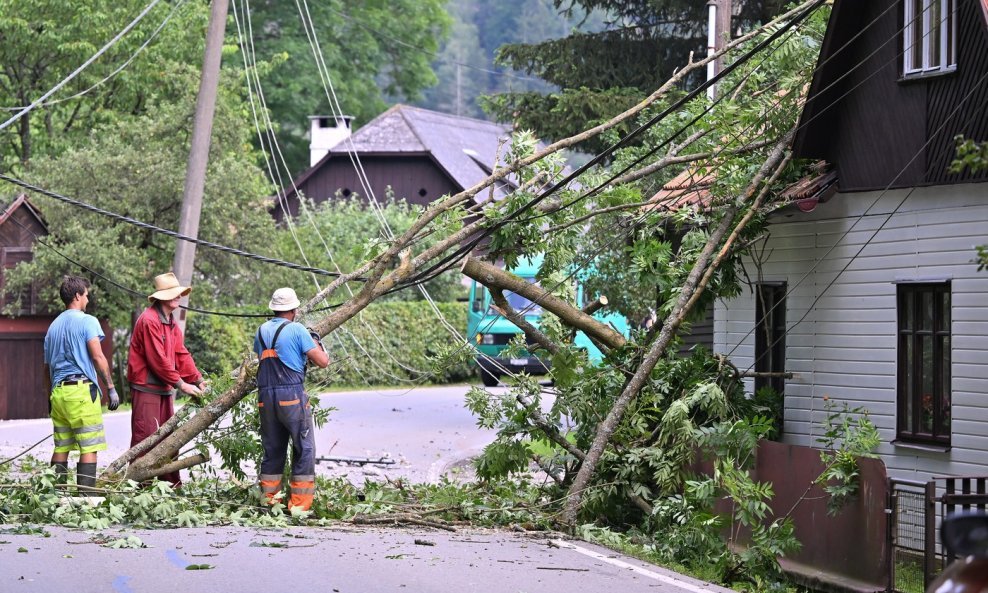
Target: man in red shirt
point(158, 364)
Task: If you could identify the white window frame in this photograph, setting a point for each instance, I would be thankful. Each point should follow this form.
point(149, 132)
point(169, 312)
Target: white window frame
point(933, 32)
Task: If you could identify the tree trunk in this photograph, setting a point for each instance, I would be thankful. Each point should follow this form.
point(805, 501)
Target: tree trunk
point(689, 294)
point(494, 277)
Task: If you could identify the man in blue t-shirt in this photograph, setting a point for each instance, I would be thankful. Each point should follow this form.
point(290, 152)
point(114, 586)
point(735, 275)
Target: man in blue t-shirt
point(73, 358)
point(283, 346)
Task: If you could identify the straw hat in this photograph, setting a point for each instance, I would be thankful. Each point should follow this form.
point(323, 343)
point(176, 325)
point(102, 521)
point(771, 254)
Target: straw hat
point(284, 299)
point(166, 287)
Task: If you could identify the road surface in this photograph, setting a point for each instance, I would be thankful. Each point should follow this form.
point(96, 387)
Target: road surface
point(427, 430)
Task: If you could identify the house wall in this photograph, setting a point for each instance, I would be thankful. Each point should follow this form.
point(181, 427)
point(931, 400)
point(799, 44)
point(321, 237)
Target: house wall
point(406, 175)
point(844, 346)
point(879, 128)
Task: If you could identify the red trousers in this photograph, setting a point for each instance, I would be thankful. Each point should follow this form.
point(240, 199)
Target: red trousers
point(150, 411)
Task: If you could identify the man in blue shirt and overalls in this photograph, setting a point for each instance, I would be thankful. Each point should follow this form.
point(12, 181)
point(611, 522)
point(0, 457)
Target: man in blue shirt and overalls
point(283, 346)
point(73, 358)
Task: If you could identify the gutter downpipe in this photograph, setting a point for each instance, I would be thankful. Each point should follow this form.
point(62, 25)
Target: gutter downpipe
point(711, 46)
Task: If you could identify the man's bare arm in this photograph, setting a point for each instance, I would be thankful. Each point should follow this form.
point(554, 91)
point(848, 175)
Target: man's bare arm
point(100, 362)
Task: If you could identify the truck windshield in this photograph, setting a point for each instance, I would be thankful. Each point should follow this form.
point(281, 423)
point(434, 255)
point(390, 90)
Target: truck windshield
point(521, 304)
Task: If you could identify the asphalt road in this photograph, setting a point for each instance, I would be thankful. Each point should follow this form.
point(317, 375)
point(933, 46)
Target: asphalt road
point(341, 560)
point(427, 431)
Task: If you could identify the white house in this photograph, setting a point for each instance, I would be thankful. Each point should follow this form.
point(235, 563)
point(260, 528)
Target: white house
point(871, 297)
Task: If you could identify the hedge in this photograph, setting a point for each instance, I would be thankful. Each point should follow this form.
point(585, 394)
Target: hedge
point(396, 343)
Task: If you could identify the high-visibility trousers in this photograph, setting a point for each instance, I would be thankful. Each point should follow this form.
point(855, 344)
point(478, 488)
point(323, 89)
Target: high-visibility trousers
point(286, 417)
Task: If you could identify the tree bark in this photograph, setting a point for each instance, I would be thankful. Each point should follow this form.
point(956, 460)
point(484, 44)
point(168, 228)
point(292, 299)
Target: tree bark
point(689, 294)
point(144, 446)
point(493, 277)
point(595, 306)
point(502, 307)
point(378, 282)
point(161, 454)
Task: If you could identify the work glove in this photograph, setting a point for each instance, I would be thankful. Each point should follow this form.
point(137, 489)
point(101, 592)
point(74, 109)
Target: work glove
point(114, 399)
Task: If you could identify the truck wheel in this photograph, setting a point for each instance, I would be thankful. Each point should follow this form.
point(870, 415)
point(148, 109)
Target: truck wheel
point(489, 378)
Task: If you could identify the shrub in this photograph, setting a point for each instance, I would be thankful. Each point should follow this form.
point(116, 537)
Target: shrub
point(396, 343)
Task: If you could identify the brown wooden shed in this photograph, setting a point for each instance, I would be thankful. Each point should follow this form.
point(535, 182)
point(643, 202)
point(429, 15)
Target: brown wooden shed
point(22, 333)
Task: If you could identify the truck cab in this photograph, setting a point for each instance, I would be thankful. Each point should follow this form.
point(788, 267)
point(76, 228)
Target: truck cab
point(491, 333)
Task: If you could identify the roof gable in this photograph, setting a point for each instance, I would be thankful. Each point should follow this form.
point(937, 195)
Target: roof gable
point(466, 149)
point(18, 203)
point(882, 128)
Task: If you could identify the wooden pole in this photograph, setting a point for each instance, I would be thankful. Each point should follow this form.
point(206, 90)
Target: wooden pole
point(202, 129)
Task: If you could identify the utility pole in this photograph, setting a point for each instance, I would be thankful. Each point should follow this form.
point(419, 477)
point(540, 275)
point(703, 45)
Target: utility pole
point(718, 35)
point(202, 129)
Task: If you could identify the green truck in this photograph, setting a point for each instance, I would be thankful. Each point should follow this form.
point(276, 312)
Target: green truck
point(491, 332)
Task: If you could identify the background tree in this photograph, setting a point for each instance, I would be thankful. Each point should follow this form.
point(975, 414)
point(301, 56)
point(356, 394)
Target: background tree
point(374, 49)
point(599, 74)
point(135, 166)
point(43, 41)
point(465, 65)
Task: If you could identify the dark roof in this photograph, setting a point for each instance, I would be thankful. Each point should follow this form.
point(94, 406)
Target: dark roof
point(465, 148)
point(7, 209)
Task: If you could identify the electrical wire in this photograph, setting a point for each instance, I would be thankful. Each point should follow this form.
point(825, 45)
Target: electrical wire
point(858, 219)
point(471, 244)
point(835, 101)
point(245, 34)
point(78, 70)
point(119, 69)
point(326, 80)
point(135, 293)
point(166, 232)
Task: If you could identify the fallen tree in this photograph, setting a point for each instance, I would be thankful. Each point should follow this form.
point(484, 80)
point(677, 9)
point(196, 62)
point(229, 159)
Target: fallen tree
point(727, 215)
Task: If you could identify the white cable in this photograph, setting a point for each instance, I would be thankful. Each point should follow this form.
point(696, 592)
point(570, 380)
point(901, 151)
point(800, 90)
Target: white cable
point(86, 64)
point(361, 174)
point(245, 32)
point(133, 56)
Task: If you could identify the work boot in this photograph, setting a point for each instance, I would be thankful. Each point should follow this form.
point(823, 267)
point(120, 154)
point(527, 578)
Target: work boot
point(85, 479)
point(61, 471)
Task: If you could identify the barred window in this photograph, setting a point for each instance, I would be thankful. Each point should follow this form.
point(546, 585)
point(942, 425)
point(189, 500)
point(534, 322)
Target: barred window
point(924, 362)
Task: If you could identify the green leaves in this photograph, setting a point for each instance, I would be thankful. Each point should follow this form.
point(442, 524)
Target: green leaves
point(971, 156)
point(129, 541)
point(848, 435)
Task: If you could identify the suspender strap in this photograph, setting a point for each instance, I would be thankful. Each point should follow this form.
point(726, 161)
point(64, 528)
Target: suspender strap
point(274, 340)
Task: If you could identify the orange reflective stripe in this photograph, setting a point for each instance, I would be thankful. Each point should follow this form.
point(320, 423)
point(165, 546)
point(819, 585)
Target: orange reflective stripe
point(302, 492)
point(269, 353)
point(300, 501)
point(270, 488)
point(291, 402)
point(260, 404)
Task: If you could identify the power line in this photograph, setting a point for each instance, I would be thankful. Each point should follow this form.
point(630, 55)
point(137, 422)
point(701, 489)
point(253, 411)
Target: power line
point(119, 69)
point(254, 88)
point(169, 233)
point(861, 217)
point(456, 254)
point(328, 87)
point(821, 111)
point(78, 70)
point(135, 293)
